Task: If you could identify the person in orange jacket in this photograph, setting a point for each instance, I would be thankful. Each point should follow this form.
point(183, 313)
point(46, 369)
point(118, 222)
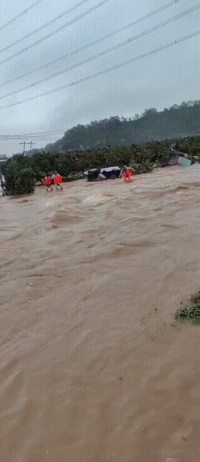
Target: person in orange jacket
point(127, 174)
point(57, 180)
point(47, 182)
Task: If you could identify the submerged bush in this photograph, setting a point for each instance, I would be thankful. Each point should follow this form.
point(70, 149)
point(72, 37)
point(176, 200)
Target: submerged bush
point(190, 312)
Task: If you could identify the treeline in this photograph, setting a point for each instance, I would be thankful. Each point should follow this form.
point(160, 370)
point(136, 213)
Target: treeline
point(175, 122)
point(22, 173)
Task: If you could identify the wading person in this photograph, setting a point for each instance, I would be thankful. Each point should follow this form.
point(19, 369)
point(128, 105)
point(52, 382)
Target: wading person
point(127, 174)
point(57, 180)
point(47, 182)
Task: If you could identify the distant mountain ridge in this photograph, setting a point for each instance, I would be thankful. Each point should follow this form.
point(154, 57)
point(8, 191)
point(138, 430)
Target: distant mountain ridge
point(175, 122)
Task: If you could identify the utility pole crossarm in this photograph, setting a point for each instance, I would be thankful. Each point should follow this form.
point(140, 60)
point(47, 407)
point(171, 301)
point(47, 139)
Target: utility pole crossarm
point(24, 144)
point(31, 144)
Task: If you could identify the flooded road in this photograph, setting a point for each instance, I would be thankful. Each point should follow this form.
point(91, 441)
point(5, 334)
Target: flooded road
point(93, 367)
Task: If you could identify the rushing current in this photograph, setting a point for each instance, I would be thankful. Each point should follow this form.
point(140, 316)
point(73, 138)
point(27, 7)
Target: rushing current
point(93, 366)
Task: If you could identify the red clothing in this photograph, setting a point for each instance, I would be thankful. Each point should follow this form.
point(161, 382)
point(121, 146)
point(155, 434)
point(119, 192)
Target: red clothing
point(47, 181)
point(57, 178)
point(127, 174)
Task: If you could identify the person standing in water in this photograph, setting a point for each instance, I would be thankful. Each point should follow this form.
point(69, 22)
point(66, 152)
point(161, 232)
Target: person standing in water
point(47, 182)
point(57, 180)
point(127, 174)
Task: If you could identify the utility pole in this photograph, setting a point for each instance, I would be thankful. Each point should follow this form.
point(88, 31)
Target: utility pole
point(31, 144)
point(24, 144)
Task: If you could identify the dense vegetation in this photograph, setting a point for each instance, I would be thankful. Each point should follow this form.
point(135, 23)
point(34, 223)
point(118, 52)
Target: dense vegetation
point(19, 180)
point(22, 172)
point(175, 122)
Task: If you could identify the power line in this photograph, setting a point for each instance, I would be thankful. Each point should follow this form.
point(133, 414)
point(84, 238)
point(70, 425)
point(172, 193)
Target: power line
point(41, 135)
point(117, 31)
point(23, 135)
point(102, 53)
point(36, 139)
point(20, 14)
point(44, 25)
point(82, 15)
point(97, 74)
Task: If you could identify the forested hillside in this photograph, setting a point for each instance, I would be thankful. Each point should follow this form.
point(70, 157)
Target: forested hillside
point(175, 122)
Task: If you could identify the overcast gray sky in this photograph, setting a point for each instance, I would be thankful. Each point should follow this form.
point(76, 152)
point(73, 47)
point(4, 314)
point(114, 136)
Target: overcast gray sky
point(110, 85)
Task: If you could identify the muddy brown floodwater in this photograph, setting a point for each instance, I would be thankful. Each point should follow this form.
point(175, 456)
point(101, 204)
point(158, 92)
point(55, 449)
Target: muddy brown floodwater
point(93, 367)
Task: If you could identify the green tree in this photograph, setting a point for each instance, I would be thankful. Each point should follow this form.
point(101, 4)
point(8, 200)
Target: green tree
point(11, 175)
point(18, 181)
point(24, 184)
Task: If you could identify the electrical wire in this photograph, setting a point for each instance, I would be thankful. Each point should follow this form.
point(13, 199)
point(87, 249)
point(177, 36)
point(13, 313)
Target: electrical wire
point(33, 135)
point(82, 15)
point(20, 14)
point(115, 32)
point(44, 25)
point(105, 71)
point(33, 138)
point(102, 53)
